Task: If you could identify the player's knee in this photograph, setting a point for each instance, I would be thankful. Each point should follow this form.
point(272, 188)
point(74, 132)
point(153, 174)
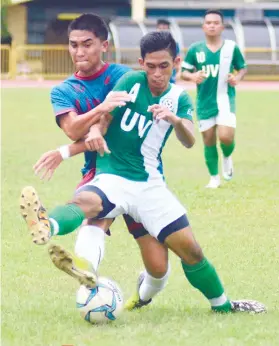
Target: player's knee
point(192, 256)
point(209, 137)
point(89, 202)
point(209, 141)
point(185, 246)
point(195, 255)
point(226, 138)
point(158, 270)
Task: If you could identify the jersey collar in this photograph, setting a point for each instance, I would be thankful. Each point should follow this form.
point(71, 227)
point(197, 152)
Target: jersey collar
point(95, 75)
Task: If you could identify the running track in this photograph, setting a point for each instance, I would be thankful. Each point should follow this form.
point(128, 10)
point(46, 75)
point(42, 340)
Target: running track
point(189, 86)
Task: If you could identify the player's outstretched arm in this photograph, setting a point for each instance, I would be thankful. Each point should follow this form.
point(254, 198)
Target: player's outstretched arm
point(51, 160)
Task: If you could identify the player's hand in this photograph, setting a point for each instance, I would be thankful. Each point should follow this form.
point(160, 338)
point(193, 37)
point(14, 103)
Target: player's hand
point(232, 79)
point(199, 77)
point(163, 113)
point(115, 99)
point(94, 141)
point(47, 164)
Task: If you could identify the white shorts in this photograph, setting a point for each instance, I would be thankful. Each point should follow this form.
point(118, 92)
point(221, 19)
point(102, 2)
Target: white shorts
point(150, 203)
point(224, 119)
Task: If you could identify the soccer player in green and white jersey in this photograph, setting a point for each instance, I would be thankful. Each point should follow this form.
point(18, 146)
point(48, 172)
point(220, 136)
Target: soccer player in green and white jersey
point(210, 64)
point(130, 179)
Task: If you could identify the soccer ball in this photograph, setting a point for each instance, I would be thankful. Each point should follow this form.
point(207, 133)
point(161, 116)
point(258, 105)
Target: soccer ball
point(101, 304)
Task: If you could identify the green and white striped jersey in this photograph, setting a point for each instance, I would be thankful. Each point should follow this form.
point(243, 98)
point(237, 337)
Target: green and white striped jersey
point(214, 94)
point(134, 139)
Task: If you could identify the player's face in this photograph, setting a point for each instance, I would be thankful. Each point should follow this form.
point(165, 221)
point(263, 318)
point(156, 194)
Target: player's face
point(158, 67)
point(213, 25)
point(86, 50)
point(163, 27)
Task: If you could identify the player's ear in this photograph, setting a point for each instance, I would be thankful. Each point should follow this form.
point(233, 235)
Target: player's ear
point(141, 62)
point(177, 61)
point(105, 46)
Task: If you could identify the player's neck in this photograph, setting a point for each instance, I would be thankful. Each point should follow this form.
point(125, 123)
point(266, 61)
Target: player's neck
point(214, 42)
point(91, 72)
point(157, 92)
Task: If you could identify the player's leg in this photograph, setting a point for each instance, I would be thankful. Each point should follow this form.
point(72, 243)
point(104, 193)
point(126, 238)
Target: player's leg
point(165, 217)
point(61, 220)
point(208, 131)
point(157, 270)
point(226, 135)
point(89, 248)
point(89, 251)
point(202, 274)
point(166, 220)
point(198, 270)
point(157, 267)
point(89, 202)
point(90, 242)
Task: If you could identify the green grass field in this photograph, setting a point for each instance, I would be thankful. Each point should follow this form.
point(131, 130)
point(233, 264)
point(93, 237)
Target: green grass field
point(237, 225)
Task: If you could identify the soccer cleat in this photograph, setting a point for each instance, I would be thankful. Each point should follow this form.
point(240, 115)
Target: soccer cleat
point(250, 306)
point(214, 182)
point(74, 266)
point(227, 168)
point(35, 215)
point(134, 302)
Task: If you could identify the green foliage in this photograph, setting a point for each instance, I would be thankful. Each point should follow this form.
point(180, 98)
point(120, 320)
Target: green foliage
point(4, 28)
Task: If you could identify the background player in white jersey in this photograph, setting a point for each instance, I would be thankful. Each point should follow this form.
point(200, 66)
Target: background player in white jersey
point(211, 64)
point(130, 179)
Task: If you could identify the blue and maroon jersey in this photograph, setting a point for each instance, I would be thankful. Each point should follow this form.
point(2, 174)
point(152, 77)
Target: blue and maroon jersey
point(81, 94)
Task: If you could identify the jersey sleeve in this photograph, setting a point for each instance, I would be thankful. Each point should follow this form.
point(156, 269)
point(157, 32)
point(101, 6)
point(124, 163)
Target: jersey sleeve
point(189, 62)
point(238, 59)
point(185, 106)
point(61, 103)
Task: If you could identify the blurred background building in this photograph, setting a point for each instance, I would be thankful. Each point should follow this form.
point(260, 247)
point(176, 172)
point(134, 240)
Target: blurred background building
point(34, 32)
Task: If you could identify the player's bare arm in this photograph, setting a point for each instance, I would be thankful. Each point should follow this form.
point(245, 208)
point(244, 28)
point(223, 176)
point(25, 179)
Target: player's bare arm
point(184, 128)
point(77, 126)
point(234, 79)
point(196, 77)
point(93, 141)
point(50, 161)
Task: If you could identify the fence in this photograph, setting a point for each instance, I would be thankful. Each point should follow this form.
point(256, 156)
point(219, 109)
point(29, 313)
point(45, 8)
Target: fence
point(6, 61)
point(54, 62)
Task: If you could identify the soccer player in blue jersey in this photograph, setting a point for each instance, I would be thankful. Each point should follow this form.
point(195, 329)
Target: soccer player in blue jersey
point(78, 103)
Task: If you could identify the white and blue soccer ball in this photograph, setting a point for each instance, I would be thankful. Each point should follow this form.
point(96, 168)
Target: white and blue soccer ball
point(101, 304)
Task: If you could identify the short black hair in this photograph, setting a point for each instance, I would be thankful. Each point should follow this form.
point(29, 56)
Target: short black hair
point(213, 11)
point(90, 22)
point(163, 21)
point(157, 40)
